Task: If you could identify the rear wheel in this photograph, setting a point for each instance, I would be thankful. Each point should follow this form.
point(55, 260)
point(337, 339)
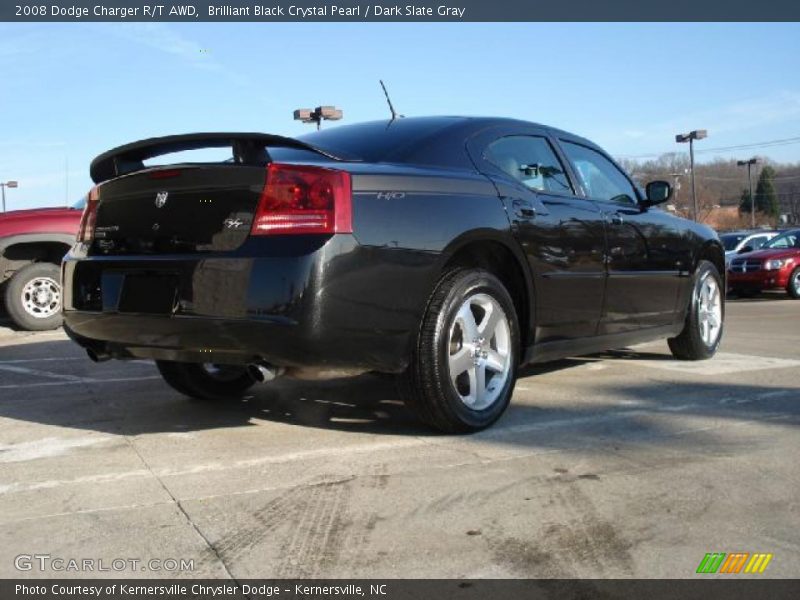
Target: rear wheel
point(793, 287)
point(702, 332)
point(33, 297)
point(206, 381)
point(464, 367)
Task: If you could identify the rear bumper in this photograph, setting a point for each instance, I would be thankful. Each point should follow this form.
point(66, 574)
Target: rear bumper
point(229, 341)
point(304, 303)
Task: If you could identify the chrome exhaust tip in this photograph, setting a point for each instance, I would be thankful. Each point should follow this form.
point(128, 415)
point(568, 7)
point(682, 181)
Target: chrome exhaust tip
point(263, 372)
point(97, 355)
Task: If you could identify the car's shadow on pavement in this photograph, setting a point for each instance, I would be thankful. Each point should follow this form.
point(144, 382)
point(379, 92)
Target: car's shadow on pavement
point(129, 399)
point(770, 296)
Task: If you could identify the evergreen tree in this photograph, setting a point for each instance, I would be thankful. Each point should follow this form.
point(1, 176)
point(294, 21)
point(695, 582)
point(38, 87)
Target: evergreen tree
point(766, 196)
point(744, 201)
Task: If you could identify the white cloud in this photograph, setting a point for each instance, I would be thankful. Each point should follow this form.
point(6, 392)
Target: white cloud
point(161, 37)
point(167, 40)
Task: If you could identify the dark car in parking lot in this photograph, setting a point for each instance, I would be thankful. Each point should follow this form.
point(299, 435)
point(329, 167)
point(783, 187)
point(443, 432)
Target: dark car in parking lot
point(446, 250)
point(775, 266)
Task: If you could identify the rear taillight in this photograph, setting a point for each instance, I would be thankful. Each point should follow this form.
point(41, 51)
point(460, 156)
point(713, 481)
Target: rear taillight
point(303, 199)
point(86, 230)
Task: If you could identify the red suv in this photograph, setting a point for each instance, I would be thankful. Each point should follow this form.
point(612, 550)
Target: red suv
point(32, 244)
point(775, 266)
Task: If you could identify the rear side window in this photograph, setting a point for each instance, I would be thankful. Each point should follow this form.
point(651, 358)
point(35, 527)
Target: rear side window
point(531, 161)
point(601, 178)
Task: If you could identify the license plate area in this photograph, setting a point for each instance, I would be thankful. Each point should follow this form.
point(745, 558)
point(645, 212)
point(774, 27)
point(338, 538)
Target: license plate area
point(149, 293)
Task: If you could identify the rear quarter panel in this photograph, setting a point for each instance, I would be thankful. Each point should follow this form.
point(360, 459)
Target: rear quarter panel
point(407, 223)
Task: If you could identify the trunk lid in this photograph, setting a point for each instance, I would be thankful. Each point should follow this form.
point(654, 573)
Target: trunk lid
point(186, 207)
point(175, 210)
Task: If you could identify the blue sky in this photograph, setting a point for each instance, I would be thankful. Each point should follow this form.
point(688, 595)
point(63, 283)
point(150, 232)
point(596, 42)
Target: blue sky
point(71, 91)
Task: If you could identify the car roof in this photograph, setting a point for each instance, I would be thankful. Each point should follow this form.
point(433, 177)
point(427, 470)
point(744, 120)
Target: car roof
point(419, 139)
point(748, 232)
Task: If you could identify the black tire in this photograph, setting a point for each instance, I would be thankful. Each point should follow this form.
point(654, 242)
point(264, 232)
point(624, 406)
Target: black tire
point(41, 310)
point(3, 311)
point(689, 344)
point(224, 382)
point(793, 287)
point(426, 385)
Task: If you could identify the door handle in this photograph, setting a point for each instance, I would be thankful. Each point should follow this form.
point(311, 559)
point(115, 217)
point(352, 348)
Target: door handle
point(523, 209)
point(614, 218)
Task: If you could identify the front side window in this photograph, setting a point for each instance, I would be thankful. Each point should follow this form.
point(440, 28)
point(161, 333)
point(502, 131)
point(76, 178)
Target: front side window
point(531, 161)
point(601, 178)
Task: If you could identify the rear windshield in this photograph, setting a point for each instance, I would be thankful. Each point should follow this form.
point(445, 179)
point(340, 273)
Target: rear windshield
point(278, 154)
point(377, 141)
point(790, 239)
point(199, 156)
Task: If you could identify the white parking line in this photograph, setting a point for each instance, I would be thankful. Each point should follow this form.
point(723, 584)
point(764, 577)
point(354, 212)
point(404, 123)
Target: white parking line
point(724, 363)
point(367, 448)
point(46, 447)
point(78, 380)
point(38, 373)
point(49, 359)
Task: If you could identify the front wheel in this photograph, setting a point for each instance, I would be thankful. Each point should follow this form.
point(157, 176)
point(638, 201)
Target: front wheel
point(33, 297)
point(464, 366)
point(206, 381)
point(793, 287)
point(702, 332)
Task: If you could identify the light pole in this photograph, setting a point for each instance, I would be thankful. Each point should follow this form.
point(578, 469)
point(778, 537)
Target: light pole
point(750, 164)
point(3, 186)
point(697, 134)
point(319, 114)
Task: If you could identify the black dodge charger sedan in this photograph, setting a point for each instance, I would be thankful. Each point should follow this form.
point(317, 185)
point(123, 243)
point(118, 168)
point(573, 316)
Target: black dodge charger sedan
point(447, 250)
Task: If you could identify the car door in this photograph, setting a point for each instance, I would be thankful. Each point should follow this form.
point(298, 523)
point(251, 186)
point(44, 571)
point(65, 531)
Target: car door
point(647, 253)
point(560, 233)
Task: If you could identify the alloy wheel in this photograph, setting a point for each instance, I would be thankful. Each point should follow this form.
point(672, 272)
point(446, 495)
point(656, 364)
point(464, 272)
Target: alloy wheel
point(479, 351)
point(709, 310)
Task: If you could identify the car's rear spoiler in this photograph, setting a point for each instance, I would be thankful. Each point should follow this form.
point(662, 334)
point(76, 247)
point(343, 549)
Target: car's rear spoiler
point(247, 148)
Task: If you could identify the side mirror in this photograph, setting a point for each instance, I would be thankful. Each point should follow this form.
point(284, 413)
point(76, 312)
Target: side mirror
point(744, 250)
point(657, 192)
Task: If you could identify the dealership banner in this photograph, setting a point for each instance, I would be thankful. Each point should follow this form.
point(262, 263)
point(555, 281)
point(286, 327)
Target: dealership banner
point(401, 589)
point(417, 11)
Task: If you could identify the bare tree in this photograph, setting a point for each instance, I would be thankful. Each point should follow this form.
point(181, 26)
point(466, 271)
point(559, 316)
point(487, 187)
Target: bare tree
point(719, 184)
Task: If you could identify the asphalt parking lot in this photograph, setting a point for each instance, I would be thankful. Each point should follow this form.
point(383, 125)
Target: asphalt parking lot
point(627, 464)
